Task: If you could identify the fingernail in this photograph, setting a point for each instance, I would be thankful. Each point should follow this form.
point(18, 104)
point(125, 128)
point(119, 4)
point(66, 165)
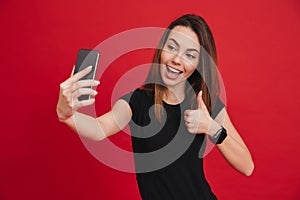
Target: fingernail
point(89, 67)
point(97, 82)
point(95, 92)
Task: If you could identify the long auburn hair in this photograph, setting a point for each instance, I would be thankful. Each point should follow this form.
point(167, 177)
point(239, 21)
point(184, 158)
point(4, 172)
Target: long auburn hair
point(204, 78)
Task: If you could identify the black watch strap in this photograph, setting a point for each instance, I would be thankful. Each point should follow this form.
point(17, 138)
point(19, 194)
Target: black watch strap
point(219, 137)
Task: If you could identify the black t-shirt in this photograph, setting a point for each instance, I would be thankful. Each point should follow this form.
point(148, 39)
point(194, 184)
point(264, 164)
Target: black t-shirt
point(168, 159)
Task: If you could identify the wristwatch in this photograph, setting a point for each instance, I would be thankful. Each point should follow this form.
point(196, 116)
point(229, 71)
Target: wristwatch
point(219, 137)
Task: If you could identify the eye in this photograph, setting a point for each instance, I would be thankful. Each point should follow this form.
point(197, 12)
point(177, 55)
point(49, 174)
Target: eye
point(190, 56)
point(171, 47)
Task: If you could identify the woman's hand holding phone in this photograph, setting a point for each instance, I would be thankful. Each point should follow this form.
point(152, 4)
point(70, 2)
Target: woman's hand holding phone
point(73, 88)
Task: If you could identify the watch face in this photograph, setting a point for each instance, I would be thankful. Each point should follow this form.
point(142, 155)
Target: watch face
point(219, 137)
point(216, 136)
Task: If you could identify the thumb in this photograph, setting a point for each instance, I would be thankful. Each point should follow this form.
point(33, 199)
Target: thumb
point(200, 101)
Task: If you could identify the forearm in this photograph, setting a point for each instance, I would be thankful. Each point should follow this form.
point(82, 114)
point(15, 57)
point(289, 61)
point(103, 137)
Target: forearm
point(234, 151)
point(236, 155)
point(86, 126)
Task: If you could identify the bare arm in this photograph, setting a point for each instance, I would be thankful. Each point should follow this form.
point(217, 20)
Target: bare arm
point(85, 125)
point(233, 148)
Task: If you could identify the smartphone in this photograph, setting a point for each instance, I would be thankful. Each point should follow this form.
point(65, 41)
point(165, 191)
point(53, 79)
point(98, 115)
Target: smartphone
point(85, 58)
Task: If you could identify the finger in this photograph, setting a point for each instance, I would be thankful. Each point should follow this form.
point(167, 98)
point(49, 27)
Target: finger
point(83, 103)
point(187, 112)
point(188, 119)
point(188, 116)
point(85, 83)
point(82, 73)
point(74, 78)
point(191, 129)
point(187, 124)
point(84, 91)
point(70, 81)
point(185, 118)
point(200, 101)
point(66, 87)
point(73, 69)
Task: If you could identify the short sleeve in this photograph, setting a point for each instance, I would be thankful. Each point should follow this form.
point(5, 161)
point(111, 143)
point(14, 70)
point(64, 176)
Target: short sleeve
point(139, 103)
point(131, 100)
point(217, 108)
point(127, 97)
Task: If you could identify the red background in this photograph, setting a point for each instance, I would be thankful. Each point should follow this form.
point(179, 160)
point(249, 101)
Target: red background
point(258, 47)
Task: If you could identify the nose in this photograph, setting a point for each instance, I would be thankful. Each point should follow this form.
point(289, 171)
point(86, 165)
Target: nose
point(176, 59)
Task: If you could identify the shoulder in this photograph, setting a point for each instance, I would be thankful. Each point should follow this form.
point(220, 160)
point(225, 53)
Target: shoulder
point(139, 95)
point(139, 100)
point(217, 107)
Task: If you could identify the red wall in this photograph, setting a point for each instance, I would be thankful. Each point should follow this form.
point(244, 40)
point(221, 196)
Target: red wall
point(258, 47)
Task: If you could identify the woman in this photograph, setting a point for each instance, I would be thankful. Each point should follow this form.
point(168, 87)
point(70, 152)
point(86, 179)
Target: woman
point(182, 86)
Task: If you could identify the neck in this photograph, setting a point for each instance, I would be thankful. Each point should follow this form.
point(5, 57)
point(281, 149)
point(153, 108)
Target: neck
point(175, 95)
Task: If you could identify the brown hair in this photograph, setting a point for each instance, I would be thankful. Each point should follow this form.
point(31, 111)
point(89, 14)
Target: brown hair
point(204, 78)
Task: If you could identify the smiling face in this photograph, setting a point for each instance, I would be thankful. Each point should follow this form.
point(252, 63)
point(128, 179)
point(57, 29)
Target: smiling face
point(179, 57)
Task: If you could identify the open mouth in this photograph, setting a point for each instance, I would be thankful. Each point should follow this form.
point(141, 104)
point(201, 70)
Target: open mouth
point(172, 70)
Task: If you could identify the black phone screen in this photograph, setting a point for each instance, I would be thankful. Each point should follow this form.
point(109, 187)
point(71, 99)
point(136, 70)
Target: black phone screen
point(84, 59)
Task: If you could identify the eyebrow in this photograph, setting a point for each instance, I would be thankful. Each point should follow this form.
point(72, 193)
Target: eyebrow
point(192, 49)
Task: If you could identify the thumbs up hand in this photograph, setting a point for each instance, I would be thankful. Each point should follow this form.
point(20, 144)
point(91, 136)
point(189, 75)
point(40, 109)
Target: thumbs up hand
point(198, 121)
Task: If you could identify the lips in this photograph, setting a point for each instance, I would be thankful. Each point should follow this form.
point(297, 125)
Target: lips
point(173, 70)
point(172, 73)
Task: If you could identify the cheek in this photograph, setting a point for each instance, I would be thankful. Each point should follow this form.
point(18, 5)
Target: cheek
point(160, 69)
point(164, 56)
point(189, 69)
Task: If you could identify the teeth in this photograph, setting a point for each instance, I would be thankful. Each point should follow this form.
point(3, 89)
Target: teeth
point(173, 70)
